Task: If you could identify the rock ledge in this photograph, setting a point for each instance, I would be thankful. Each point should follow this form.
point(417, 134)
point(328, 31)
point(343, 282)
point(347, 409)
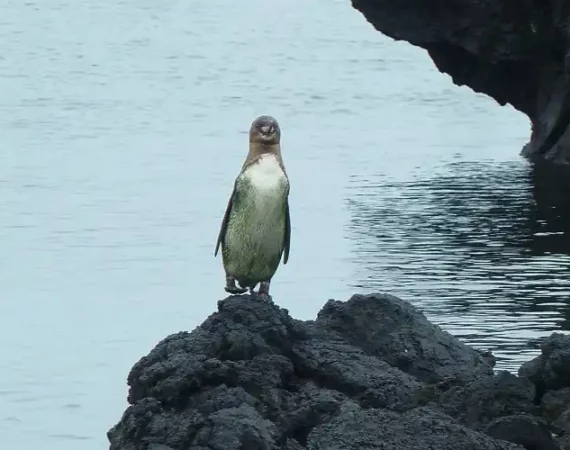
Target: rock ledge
point(369, 373)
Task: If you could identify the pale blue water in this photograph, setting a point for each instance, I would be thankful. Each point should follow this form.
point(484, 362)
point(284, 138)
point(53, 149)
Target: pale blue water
point(124, 124)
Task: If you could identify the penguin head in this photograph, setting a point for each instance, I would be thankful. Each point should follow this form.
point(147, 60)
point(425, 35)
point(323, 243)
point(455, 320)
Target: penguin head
point(265, 130)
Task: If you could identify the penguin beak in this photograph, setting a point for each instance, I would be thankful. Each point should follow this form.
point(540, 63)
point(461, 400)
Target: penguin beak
point(267, 129)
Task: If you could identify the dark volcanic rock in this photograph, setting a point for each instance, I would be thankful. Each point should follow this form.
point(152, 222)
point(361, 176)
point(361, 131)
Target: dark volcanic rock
point(524, 429)
point(562, 427)
point(553, 403)
point(371, 373)
point(550, 370)
point(394, 331)
point(354, 428)
point(555, 408)
point(516, 51)
point(487, 398)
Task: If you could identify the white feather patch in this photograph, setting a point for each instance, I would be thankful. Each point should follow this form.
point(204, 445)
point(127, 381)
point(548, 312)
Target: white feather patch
point(266, 176)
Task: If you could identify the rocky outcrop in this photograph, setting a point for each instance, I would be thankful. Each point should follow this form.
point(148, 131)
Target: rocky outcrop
point(369, 373)
point(516, 51)
point(550, 373)
point(550, 370)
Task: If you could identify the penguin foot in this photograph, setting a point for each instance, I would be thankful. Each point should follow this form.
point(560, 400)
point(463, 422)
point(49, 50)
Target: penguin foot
point(265, 297)
point(231, 286)
point(264, 288)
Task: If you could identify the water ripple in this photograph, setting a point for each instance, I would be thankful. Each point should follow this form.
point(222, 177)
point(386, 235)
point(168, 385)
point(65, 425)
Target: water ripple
point(483, 249)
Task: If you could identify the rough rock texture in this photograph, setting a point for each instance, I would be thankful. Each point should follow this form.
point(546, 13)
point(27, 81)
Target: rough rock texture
point(516, 51)
point(529, 431)
point(483, 399)
point(553, 403)
point(394, 332)
point(550, 370)
point(550, 373)
point(369, 373)
point(561, 427)
point(420, 428)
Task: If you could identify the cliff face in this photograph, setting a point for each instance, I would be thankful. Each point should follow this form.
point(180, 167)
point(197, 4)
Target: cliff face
point(369, 373)
point(516, 51)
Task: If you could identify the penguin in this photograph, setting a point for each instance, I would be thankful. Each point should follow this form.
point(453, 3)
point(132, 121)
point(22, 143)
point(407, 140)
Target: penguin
point(256, 228)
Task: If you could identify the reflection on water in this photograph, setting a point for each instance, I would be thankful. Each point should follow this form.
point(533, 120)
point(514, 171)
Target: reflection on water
point(550, 219)
point(482, 248)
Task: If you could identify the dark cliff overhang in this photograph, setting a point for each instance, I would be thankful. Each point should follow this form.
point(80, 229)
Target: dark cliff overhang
point(515, 51)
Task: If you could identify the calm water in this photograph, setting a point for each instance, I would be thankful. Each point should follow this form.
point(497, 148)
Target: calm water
point(124, 124)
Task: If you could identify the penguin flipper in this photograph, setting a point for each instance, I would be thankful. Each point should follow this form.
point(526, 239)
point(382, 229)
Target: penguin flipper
point(287, 241)
point(225, 220)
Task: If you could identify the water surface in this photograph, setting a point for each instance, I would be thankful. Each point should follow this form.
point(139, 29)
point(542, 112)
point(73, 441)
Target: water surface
point(124, 124)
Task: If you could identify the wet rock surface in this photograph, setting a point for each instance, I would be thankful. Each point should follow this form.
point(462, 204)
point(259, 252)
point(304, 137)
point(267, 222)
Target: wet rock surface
point(515, 51)
point(369, 373)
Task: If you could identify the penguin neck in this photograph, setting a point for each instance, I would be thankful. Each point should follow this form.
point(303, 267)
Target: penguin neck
point(258, 149)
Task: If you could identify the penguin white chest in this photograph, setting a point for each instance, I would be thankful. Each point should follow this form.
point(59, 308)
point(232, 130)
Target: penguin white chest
point(267, 179)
